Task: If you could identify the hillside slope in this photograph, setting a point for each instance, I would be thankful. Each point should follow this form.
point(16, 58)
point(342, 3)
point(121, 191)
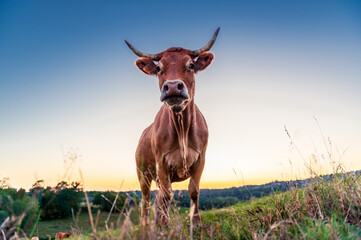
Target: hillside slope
point(323, 210)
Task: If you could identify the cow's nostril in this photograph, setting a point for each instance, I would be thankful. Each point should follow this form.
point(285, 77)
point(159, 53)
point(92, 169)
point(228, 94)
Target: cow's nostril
point(180, 86)
point(166, 88)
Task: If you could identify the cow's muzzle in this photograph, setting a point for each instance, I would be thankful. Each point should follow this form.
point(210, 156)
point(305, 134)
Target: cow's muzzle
point(174, 93)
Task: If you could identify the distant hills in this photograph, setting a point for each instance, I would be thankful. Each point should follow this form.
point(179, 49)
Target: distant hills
point(219, 198)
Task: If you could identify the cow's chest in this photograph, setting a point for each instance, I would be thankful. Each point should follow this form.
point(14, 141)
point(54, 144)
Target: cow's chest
point(180, 161)
point(176, 159)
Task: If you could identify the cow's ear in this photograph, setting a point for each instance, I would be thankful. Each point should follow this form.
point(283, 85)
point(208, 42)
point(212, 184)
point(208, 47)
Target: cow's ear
point(147, 66)
point(203, 61)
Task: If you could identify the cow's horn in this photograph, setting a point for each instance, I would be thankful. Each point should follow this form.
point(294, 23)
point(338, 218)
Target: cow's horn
point(154, 57)
point(208, 45)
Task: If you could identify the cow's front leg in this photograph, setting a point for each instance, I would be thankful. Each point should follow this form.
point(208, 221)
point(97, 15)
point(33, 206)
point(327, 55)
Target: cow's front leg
point(145, 180)
point(164, 196)
point(193, 189)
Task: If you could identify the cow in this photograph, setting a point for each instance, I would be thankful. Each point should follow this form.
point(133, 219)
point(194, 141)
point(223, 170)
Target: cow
point(62, 235)
point(173, 147)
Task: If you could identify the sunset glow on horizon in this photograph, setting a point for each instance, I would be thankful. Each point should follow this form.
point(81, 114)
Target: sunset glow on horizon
point(68, 84)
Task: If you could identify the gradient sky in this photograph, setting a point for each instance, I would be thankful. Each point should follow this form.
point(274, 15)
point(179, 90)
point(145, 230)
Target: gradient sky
point(68, 81)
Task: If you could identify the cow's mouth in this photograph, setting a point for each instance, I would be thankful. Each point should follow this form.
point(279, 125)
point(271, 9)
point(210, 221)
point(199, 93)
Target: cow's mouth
point(174, 100)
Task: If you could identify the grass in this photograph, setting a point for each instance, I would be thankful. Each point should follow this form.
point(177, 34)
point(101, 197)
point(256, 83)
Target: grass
point(326, 209)
point(323, 210)
point(82, 224)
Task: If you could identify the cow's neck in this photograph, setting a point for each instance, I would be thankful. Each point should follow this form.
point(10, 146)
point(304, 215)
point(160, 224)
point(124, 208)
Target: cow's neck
point(182, 123)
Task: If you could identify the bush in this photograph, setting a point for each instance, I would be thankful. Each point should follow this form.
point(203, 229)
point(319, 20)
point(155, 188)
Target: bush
point(106, 203)
point(15, 203)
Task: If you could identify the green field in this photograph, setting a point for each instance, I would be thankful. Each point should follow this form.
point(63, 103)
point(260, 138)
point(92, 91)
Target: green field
point(82, 224)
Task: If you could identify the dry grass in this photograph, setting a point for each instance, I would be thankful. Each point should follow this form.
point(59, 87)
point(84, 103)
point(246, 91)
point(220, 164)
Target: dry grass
point(326, 209)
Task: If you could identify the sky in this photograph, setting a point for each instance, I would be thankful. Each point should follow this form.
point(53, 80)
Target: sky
point(69, 87)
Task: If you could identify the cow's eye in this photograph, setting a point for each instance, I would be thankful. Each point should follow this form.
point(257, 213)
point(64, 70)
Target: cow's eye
point(159, 71)
point(191, 66)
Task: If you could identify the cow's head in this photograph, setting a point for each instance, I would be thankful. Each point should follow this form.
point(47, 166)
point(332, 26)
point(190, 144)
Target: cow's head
point(175, 69)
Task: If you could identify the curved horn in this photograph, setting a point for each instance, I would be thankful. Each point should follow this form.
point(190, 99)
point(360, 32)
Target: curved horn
point(208, 45)
point(154, 57)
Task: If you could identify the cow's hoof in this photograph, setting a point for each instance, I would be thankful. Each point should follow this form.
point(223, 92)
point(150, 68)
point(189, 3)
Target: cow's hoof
point(196, 221)
point(197, 225)
point(162, 221)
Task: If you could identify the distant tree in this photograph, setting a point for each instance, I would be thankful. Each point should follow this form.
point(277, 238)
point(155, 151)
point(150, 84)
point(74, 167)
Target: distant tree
point(57, 202)
point(36, 189)
point(4, 183)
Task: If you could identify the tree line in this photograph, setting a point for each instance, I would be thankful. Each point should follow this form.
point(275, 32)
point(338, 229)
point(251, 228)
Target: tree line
point(21, 209)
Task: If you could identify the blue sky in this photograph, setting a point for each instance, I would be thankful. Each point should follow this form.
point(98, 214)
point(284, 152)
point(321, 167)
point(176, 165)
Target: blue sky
point(67, 80)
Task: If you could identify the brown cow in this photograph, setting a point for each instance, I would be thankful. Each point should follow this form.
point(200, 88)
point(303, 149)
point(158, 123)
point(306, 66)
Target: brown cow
point(62, 235)
point(173, 147)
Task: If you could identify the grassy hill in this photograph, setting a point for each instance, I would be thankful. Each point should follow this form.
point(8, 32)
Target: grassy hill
point(325, 209)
